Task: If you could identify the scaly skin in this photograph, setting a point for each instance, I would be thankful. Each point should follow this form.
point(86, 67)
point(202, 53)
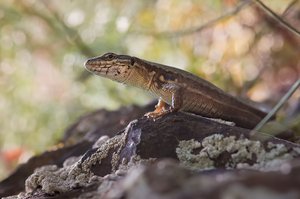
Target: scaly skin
point(183, 91)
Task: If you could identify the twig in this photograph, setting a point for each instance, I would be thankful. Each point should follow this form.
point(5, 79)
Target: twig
point(71, 34)
point(205, 25)
point(74, 38)
point(295, 86)
point(276, 17)
point(289, 7)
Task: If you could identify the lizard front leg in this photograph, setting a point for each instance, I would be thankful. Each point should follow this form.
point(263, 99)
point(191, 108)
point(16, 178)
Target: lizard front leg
point(160, 109)
point(175, 93)
point(176, 98)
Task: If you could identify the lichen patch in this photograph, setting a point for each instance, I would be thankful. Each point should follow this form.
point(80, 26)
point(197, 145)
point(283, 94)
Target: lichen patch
point(243, 153)
point(52, 179)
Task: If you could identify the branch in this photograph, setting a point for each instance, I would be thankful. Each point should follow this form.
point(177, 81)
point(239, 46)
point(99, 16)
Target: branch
point(272, 14)
point(212, 22)
point(289, 7)
point(295, 86)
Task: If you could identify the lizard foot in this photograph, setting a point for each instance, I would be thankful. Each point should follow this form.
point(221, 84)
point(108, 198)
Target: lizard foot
point(160, 110)
point(155, 114)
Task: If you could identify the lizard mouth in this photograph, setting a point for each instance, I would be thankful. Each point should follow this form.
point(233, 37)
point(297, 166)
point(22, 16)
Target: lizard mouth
point(92, 66)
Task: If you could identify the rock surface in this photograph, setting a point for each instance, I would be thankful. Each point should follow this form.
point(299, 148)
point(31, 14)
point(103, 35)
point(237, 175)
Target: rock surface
point(179, 155)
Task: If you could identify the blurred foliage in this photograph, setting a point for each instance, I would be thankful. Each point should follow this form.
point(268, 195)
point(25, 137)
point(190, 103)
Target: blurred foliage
point(44, 44)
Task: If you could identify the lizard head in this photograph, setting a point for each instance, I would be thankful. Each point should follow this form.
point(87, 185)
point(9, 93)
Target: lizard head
point(112, 66)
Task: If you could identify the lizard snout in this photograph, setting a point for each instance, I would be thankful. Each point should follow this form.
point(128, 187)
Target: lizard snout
point(90, 65)
point(87, 64)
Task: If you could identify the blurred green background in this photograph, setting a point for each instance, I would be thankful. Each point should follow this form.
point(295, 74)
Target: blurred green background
point(44, 43)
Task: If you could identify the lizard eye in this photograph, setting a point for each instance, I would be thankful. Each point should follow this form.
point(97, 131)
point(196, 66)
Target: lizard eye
point(109, 55)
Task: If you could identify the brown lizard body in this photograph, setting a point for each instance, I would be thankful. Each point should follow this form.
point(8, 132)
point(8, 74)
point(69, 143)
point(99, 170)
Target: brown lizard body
point(181, 90)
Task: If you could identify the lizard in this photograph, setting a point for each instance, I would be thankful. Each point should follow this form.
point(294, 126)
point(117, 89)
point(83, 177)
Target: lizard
point(176, 88)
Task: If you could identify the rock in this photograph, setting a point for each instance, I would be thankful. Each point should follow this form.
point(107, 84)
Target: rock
point(178, 155)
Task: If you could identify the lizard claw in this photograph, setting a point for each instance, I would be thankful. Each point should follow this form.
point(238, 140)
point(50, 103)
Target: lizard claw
point(155, 114)
point(160, 110)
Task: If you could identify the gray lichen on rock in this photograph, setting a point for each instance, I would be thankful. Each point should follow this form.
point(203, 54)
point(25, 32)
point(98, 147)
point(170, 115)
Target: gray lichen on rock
point(102, 152)
point(108, 184)
point(52, 179)
point(241, 151)
point(272, 157)
point(193, 161)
